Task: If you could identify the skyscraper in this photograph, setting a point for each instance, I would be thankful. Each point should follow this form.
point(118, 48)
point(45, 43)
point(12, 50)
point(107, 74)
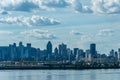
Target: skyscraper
point(93, 50)
point(76, 51)
point(112, 53)
point(49, 50)
point(20, 51)
point(119, 53)
point(63, 51)
point(88, 55)
point(28, 51)
point(56, 51)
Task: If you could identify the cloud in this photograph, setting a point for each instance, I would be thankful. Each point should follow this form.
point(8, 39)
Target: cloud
point(95, 6)
point(3, 12)
point(18, 5)
point(88, 37)
point(39, 34)
point(76, 32)
point(26, 6)
point(105, 32)
point(77, 6)
point(106, 6)
point(35, 20)
point(55, 3)
point(30, 5)
point(5, 32)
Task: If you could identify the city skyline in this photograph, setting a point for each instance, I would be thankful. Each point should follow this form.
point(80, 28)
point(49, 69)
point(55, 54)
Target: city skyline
point(62, 52)
point(74, 22)
point(90, 46)
point(59, 39)
point(57, 45)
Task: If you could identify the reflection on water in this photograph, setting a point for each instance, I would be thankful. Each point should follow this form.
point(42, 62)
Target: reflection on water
point(110, 74)
point(93, 75)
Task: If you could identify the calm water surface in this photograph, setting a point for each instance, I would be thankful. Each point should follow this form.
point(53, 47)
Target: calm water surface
point(110, 74)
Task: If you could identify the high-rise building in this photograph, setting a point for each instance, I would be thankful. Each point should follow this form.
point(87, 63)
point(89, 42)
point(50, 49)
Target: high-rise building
point(21, 51)
point(116, 55)
point(29, 45)
point(4, 54)
point(56, 51)
point(14, 52)
point(49, 50)
point(76, 51)
point(28, 51)
point(119, 54)
point(63, 51)
point(93, 50)
point(112, 53)
point(88, 55)
point(69, 52)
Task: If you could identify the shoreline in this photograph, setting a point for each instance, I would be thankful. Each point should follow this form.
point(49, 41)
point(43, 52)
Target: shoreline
point(53, 68)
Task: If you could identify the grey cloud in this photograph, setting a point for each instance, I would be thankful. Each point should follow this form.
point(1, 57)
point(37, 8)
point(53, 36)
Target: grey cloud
point(26, 6)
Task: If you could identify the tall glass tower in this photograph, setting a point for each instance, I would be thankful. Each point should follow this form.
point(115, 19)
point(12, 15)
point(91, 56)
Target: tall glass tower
point(49, 50)
point(93, 50)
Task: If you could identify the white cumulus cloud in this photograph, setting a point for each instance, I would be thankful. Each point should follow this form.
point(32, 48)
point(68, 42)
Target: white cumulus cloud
point(39, 34)
point(106, 6)
point(55, 3)
point(77, 6)
point(18, 5)
point(34, 20)
point(30, 5)
point(105, 32)
point(95, 6)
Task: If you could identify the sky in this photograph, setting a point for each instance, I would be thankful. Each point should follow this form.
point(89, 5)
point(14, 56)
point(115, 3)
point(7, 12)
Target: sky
point(77, 23)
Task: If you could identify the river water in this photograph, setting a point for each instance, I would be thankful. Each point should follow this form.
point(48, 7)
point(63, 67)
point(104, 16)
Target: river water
point(108, 74)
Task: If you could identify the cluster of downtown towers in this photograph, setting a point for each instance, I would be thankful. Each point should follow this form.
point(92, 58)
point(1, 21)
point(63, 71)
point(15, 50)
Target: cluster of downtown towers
point(60, 53)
